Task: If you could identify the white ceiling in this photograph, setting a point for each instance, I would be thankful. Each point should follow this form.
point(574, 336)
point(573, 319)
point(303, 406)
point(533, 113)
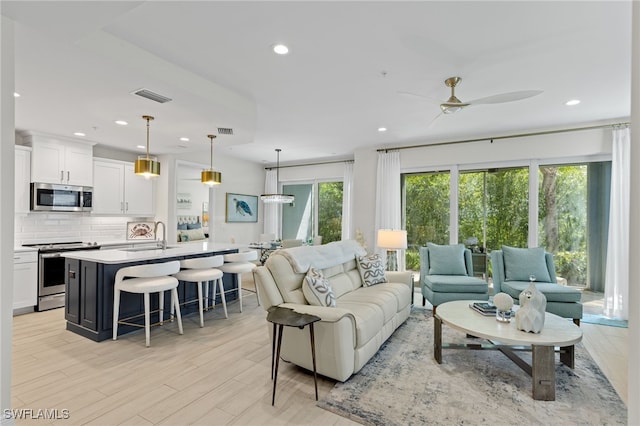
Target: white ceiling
point(77, 62)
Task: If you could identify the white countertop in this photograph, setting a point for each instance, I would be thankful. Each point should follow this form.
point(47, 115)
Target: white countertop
point(21, 249)
point(115, 256)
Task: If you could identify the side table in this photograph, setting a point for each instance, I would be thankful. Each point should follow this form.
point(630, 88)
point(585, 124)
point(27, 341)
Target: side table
point(281, 317)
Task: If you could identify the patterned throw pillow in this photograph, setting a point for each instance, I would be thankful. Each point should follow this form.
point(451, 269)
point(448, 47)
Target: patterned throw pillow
point(317, 289)
point(371, 269)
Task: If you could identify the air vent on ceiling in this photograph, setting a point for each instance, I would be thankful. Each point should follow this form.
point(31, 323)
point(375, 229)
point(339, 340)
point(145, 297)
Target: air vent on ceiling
point(225, 131)
point(146, 93)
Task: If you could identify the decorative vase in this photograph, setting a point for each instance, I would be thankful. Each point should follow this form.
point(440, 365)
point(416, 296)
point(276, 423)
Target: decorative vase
point(530, 316)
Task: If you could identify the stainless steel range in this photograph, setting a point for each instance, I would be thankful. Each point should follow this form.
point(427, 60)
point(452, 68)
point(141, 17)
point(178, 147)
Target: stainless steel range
point(51, 271)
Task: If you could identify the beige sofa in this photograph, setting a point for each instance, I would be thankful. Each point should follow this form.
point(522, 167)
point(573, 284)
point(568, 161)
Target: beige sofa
point(348, 334)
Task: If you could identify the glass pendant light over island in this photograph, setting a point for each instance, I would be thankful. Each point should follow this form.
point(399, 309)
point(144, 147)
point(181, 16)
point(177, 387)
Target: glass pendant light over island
point(147, 166)
point(277, 198)
point(211, 177)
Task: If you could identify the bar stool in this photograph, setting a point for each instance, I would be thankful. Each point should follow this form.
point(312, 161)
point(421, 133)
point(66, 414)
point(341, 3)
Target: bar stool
point(202, 270)
point(239, 263)
point(147, 279)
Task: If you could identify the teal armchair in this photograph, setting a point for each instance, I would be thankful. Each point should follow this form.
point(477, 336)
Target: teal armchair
point(446, 274)
point(512, 268)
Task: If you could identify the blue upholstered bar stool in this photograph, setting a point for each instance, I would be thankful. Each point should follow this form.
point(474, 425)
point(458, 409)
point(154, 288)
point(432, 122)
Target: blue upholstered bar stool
point(239, 263)
point(147, 279)
point(202, 270)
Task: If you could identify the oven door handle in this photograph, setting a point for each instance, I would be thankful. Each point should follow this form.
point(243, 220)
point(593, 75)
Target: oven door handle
point(49, 255)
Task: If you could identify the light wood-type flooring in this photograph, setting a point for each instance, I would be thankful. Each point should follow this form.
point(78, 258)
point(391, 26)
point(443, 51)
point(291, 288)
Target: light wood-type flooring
point(219, 374)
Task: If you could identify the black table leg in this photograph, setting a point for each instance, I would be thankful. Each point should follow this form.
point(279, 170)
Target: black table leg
point(313, 357)
point(273, 349)
point(277, 362)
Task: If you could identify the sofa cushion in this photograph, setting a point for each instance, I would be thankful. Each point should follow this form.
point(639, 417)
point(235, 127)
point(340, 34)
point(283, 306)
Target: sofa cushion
point(191, 235)
point(446, 259)
point(371, 269)
point(520, 263)
point(553, 292)
point(317, 289)
point(455, 284)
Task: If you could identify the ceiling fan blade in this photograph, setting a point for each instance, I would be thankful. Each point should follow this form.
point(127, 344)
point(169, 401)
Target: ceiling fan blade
point(431, 123)
point(416, 95)
point(506, 97)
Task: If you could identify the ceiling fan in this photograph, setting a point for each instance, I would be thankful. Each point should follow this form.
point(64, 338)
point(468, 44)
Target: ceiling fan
point(453, 104)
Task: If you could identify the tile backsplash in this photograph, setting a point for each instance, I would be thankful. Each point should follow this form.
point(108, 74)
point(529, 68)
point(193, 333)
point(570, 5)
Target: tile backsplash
point(60, 227)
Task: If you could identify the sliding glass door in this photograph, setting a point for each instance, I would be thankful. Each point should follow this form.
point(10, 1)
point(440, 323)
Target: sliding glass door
point(426, 213)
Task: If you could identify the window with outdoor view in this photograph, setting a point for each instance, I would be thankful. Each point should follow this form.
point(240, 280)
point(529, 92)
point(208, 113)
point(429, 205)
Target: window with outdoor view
point(317, 211)
point(426, 212)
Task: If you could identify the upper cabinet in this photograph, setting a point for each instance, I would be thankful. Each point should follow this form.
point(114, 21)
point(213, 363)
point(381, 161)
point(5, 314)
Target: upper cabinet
point(22, 179)
point(118, 190)
point(56, 160)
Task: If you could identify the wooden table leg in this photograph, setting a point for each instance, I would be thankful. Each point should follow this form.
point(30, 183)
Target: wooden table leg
point(437, 339)
point(567, 356)
point(543, 373)
point(313, 357)
point(277, 362)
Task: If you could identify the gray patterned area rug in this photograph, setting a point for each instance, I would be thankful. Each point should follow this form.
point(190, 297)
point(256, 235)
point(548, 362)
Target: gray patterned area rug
point(403, 385)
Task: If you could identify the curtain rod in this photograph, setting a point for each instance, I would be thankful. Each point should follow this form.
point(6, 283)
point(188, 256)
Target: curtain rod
point(312, 164)
point(520, 135)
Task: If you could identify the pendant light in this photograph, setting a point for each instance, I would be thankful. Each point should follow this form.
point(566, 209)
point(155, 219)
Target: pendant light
point(277, 198)
point(147, 166)
point(211, 177)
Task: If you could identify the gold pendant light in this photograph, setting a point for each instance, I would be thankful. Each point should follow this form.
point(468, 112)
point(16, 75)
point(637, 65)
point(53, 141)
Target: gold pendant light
point(277, 198)
point(211, 177)
point(147, 166)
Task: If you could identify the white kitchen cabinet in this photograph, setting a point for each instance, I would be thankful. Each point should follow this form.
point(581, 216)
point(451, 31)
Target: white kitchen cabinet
point(60, 161)
point(25, 279)
point(118, 190)
point(22, 178)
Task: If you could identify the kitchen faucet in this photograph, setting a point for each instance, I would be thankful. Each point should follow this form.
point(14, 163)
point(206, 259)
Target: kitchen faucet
point(164, 233)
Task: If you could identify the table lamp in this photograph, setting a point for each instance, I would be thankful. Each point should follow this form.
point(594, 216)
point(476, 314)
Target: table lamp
point(392, 240)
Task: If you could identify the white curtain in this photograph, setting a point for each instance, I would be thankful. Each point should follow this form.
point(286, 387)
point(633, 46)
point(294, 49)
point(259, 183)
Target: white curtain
point(616, 290)
point(271, 210)
point(388, 197)
point(347, 202)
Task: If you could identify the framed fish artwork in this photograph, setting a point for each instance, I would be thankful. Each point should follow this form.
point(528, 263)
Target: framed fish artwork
point(241, 208)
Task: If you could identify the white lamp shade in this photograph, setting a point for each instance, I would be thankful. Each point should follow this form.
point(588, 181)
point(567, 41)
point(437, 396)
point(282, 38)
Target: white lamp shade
point(392, 239)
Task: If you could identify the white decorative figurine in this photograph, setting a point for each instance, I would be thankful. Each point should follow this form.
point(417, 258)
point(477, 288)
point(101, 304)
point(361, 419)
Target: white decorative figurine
point(530, 316)
point(503, 303)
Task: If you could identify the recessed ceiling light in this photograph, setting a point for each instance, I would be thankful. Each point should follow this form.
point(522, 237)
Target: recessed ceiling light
point(281, 49)
point(572, 102)
point(79, 134)
point(382, 129)
point(140, 146)
point(16, 94)
point(121, 122)
point(183, 139)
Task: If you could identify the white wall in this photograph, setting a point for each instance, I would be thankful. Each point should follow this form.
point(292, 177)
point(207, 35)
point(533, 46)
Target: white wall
point(7, 141)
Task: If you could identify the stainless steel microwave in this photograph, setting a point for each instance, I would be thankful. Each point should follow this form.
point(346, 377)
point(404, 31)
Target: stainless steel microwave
point(60, 198)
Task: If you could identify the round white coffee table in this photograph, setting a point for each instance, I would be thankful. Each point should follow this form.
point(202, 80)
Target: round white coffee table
point(506, 338)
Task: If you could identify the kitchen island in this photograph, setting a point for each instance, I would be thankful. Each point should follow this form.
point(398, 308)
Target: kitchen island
point(90, 277)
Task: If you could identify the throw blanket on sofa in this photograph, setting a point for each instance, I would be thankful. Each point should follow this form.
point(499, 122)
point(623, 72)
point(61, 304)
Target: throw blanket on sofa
point(321, 257)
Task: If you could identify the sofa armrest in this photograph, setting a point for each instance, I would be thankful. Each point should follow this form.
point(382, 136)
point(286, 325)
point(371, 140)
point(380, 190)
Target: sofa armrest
point(405, 277)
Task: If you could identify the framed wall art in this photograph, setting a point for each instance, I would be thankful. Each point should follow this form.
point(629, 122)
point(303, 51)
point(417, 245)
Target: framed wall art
point(241, 208)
